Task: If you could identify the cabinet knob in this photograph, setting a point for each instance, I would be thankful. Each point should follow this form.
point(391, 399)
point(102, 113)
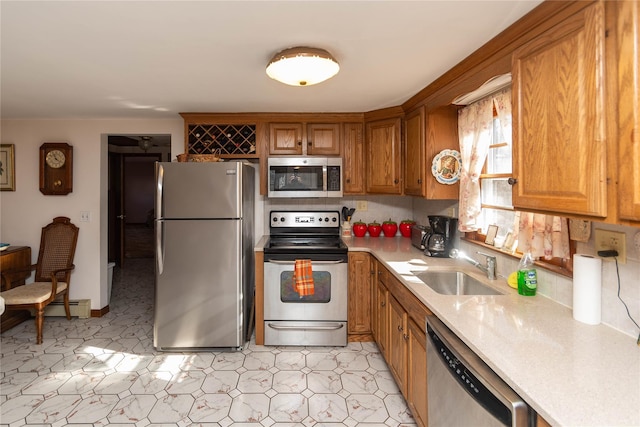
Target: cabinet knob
point(400, 328)
point(382, 304)
point(419, 181)
point(512, 181)
point(309, 143)
point(405, 336)
point(395, 181)
point(348, 180)
point(299, 142)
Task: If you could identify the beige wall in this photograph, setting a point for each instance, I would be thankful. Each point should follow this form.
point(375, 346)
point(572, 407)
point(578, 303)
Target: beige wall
point(25, 211)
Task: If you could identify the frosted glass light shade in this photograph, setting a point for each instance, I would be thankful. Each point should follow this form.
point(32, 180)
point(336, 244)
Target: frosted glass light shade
point(302, 66)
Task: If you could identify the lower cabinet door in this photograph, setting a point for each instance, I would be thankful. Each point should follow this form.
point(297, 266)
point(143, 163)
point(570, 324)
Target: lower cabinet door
point(417, 374)
point(398, 343)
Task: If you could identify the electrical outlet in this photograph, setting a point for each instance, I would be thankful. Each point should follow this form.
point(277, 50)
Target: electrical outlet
point(361, 205)
point(85, 216)
point(611, 240)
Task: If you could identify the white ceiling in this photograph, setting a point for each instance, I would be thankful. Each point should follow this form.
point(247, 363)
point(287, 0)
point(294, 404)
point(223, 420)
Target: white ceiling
point(94, 59)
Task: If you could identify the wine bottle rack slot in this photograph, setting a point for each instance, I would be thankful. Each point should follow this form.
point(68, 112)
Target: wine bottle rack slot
point(233, 140)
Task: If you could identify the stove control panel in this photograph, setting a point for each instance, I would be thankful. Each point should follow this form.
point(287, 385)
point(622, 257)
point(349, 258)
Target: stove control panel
point(304, 219)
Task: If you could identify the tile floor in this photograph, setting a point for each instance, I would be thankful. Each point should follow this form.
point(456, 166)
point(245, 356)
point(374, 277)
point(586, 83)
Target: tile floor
point(105, 371)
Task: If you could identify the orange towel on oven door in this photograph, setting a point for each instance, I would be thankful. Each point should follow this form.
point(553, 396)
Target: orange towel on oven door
point(303, 277)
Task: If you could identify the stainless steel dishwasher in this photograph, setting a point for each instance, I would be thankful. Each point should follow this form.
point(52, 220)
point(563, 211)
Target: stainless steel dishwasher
point(463, 390)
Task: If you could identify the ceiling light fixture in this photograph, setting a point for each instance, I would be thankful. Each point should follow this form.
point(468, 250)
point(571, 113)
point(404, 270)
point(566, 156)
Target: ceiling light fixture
point(302, 66)
point(145, 143)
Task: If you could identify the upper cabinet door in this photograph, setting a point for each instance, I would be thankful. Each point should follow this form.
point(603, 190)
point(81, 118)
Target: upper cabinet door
point(383, 157)
point(353, 158)
point(628, 36)
point(559, 146)
point(414, 155)
point(285, 138)
point(323, 139)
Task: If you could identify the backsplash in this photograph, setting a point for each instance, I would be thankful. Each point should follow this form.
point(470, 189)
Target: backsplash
point(560, 288)
point(556, 287)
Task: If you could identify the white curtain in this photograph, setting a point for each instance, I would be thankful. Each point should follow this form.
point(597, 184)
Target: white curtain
point(475, 127)
point(545, 236)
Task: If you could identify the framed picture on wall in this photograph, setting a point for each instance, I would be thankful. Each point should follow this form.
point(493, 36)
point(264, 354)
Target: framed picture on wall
point(7, 167)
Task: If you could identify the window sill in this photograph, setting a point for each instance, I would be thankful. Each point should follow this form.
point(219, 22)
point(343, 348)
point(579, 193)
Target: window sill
point(558, 269)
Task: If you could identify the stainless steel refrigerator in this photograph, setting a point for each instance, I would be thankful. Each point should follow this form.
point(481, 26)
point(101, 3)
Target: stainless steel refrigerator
point(204, 218)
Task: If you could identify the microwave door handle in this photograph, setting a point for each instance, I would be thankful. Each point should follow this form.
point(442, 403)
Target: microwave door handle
point(324, 178)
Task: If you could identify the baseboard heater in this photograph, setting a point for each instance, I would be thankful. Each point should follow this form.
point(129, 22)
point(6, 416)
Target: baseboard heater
point(79, 308)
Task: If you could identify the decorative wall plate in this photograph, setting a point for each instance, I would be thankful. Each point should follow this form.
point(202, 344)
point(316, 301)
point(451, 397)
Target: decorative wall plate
point(446, 167)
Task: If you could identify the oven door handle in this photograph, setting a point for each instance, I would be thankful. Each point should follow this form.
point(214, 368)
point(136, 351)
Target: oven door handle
point(331, 327)
point(275, 261)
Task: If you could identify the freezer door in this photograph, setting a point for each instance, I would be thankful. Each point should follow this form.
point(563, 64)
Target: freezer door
point(198, 284)
point(199, 190)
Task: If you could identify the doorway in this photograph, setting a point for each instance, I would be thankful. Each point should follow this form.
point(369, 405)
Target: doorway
point(131, 194)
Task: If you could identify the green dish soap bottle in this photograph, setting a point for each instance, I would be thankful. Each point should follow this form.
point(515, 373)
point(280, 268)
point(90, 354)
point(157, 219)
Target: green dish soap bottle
point(527, 275)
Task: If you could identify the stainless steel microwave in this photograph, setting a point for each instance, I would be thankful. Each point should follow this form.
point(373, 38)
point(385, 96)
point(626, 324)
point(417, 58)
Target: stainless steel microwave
point(294, 177)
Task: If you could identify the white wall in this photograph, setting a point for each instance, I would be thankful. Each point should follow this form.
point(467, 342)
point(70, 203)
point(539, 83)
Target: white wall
point(24, 212)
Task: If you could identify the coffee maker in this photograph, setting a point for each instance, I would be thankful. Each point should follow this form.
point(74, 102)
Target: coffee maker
point(439, 241)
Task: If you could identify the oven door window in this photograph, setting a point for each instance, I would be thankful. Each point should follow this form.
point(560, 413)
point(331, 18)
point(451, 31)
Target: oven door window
point(321, 285)
point(296, 178)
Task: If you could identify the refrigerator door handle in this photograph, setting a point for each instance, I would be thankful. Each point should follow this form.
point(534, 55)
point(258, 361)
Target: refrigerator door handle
point(160, 245)
point(159, 185)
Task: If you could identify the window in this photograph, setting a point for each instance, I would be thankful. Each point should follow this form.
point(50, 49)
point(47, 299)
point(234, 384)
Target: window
point(496, 199)
point(495, 191)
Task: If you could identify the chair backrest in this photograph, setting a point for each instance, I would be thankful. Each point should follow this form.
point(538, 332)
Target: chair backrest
point(57, 248)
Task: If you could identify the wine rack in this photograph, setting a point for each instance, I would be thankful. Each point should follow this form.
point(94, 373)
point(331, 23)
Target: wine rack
point(238, 140)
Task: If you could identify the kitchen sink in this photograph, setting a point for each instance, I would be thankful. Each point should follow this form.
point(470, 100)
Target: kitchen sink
point(454, 283)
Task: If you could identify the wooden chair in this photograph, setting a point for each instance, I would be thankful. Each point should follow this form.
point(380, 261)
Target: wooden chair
point(53, 273)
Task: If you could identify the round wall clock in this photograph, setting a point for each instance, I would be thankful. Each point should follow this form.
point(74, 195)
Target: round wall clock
point(56, 168)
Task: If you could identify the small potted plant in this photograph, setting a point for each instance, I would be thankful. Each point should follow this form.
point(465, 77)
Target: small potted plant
point(405, 227)
point(374, 229)
point(359, 229)
point(389, 228)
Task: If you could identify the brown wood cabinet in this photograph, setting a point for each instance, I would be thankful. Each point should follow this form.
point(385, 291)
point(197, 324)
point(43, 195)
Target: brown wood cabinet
point(441, 134)
point(285, 138)
point(311, 139)
point(323, 139)
point(426, 134)
point(628, 56)
point(398, 338)
point(383, 165)
point(400, 332)
point(414, 153)
point(14, 258)
point(559, 143)
point(353, 158)
point(417, 373)
point(359, 303)
point(380, 311)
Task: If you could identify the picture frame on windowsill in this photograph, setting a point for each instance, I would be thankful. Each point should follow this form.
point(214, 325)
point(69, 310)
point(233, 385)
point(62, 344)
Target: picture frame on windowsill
point(492, 232)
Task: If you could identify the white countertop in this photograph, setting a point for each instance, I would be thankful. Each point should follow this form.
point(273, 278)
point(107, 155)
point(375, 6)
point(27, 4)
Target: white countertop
point(571, 373)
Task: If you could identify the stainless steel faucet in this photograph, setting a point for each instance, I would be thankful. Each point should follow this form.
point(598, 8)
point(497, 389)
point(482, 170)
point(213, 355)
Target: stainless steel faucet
point(490, 269)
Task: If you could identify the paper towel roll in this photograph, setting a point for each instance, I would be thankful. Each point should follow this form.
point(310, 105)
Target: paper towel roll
point(587, 289)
